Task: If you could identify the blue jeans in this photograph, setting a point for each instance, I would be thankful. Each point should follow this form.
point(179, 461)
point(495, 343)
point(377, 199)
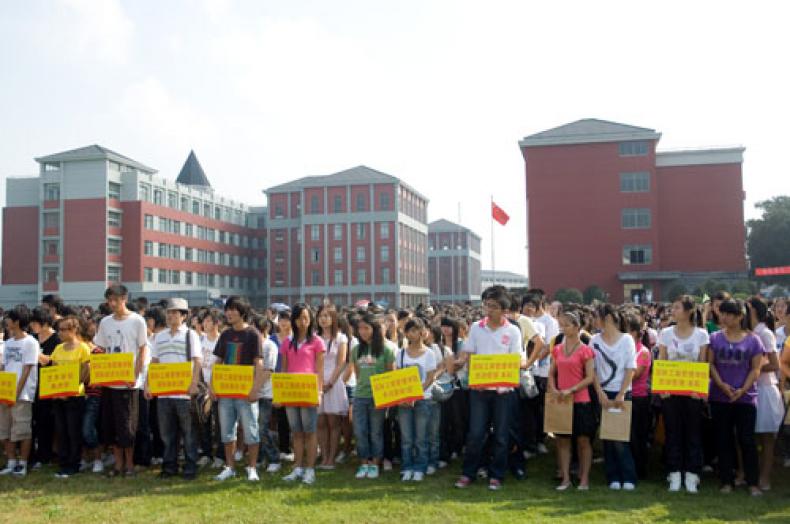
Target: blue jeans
point(434, 433)
point(414, 427)
point(618, 460)
point(368, 429)
point(302, 419)
point(174, 416)
point(90, 420)
point(233, 410)
point(268, 445)
point(486, 407)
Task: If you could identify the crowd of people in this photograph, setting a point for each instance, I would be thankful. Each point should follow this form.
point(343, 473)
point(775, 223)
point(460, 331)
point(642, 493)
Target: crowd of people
point(599, 356)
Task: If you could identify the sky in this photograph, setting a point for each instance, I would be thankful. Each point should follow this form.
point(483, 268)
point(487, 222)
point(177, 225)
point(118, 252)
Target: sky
point(437, 93)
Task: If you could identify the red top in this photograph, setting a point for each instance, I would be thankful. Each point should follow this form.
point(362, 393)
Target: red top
point(570, 370)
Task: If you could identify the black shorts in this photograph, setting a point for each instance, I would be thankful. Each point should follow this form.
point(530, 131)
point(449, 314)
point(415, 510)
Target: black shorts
point(585, 423)
point(119, 417)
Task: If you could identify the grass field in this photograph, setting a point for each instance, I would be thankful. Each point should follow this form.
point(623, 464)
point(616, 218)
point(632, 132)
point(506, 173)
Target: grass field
point(337, 497)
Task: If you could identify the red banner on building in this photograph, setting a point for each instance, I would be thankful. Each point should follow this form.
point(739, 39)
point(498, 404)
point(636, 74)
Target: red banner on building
point(772, 271)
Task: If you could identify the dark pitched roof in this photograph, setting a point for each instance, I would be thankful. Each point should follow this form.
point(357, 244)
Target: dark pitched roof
point(192, 173)
point(589, 130)
point(93, 152)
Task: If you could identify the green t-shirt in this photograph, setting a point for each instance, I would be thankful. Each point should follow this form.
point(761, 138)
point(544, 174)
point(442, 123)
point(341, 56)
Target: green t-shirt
point(712, 327)
point(369, 366)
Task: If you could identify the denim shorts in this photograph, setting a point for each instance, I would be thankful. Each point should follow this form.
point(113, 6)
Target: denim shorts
point(302, 420)
point(233, 410)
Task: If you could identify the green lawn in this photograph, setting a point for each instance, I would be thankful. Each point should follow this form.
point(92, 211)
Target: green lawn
point(338, 497)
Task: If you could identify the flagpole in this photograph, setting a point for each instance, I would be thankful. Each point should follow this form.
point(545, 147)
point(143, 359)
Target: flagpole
point(493, 265)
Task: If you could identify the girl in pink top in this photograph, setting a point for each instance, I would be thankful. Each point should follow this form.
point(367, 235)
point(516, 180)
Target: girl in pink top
point(572, 364)
point(303, 353)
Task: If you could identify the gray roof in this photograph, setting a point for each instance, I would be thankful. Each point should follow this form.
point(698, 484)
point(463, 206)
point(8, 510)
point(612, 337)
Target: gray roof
point(192, 173)
point(355, 175)
point(443, 225)
point(94, 152)
point(589, 130)
point(487, 274)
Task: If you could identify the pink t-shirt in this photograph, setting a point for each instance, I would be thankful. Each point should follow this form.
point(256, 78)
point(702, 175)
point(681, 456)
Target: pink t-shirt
point(570, 370)
point(643, 358)
point(301, 358)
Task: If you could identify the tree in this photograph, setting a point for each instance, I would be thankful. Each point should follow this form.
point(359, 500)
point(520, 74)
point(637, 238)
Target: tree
point(569, 296)
point(710, 287)
point(593, 293)
point(745, 286)
point(674, 292)
point(768, 241)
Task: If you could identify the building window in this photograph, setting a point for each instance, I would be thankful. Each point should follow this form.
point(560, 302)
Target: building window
point(211, 279)
point(360, 253)
point(149, 222)
point(633, 148)
point(338, 277)
point(188, 230)
point(163, 250)
point(145, 192)
point(315, 277)
point(635, 182)
point(175, 227)
point(360, 202)
point(51, 220)
point(338, 255)
point(113, 274)
point(338, 204)
point(113, 219)
point(51, 191)
point(148, 274)
point(162, 275)
point(361, 277)
point(360, 231)
point(195, 207)
point(188, 254)
point(114, 191)
point(314, 204)
point(175, 252)
point(188, 278)
point(637, 255)
point(338, 232)
point(635, 218)
point(184, 204)
point(384, 201)
point(315, 233)
point(385, 275)
point(278, 211)
point(207, 210)
point(148, 249)
point(384, 230)
point(315, 255)
point(385, 253)
point(158, 197)
point(50, 274)
point(175, 277)
point(114, 246)
point(51, 248)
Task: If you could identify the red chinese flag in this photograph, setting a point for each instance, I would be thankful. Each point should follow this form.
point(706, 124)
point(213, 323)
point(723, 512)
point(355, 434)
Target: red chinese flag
point(499, 214)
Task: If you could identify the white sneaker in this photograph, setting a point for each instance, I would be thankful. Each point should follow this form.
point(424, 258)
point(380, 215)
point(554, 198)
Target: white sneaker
point(629, 486)
point(528, 455)
point(615, 486)
point(418, 476)
point(406, 476)
point(674, 481)
point(309, 476)
point(542, 449)
point(203, 461)
point(430, 470)
point(362, 472)
point(20, 470)
point(109, 460)
point(156, 461)
point(226, 473)
point(252, 474)
point(341, 457)
point(238, 455)
point(274, 467)
point(296, 474)
point(9, 468)
point(386, 465)
point(692, 482)
point(218, 463)
point(98, 466)
point(288, 457)
point(373, 471)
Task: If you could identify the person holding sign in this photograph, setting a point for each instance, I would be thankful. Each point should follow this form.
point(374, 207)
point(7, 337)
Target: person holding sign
point(615, 363)
point(572, 364)
point(240, 345)
point(122, 332)
point(174, 345)
point(493, 335)
point(686, 341)
point(372, 355)
point(415, 416)
point(69, 411)
point(736, 358)
point(303, 353)
point(20, 356)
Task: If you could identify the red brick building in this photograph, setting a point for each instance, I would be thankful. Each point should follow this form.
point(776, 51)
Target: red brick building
point(453, 262)
point(605, 208)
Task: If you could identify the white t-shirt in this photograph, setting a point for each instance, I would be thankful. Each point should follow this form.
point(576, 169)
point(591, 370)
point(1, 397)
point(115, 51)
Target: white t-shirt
point(270, 354)
point(611, 362)
point(20, 353)
point(352, 378)
point(781, 337)
point(425, 363)
point(208, 356)
point(549, 328)
point(123, 336)
point(683, 349)
point(172, 349)
point(485, 341)
point(766, 378)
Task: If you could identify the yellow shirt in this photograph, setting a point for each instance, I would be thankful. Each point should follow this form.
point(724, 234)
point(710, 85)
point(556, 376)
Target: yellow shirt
point(80, 355)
